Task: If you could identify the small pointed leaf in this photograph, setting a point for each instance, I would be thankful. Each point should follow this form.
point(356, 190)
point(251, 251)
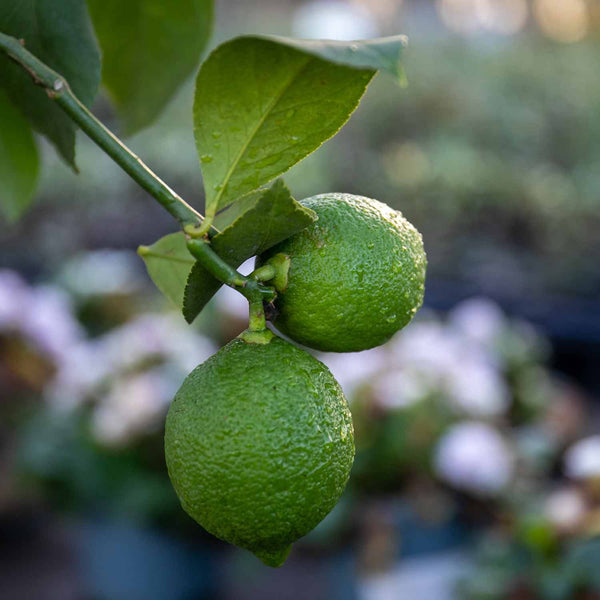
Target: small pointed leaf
point(169, 264)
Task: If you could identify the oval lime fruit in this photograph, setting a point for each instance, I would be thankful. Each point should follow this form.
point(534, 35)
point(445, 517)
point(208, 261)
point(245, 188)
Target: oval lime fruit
point(259, 445)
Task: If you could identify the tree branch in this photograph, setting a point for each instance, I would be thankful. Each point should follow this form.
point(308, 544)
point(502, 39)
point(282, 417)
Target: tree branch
point(58, 90)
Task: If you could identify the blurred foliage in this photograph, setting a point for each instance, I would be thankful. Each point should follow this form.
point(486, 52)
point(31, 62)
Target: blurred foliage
point(512, 570)
point(493, 151)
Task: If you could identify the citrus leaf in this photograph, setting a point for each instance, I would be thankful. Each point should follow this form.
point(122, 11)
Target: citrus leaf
point(58, 32)
point(149, 48)
point(260, 107)
point(264, 103)
point(18, 160)
point(267, 218)
point(169, 263)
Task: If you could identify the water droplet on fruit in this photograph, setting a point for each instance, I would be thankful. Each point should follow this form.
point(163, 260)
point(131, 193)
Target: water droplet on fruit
point(391, 318)
point(206, 158)
point(216, 134)
point(218, 187)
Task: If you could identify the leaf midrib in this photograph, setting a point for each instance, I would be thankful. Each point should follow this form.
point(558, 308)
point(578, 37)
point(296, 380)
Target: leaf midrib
point(260, 122)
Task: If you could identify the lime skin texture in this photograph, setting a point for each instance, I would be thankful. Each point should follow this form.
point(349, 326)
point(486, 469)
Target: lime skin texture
point(259, 445)
point(356, 276)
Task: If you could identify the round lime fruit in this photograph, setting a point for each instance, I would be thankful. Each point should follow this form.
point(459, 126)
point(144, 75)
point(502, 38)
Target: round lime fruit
point(354, 277)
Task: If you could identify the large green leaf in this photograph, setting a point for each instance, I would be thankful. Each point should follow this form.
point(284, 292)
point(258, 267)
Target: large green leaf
point(263, 104)
point(265, 219)
point(260, 221)
point(149, 48)
point(59, 32)
point(260, 107)
point(169, 264)
point(18, 160)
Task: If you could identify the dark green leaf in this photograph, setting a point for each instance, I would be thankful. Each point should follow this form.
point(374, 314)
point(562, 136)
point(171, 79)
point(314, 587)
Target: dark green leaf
point(169, 263)
point(18, 160)
point(59, 32)
point(149, 48)
point(268, 218)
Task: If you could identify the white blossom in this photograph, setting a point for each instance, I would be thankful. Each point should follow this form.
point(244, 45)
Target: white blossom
point(79, 375)
point(454, 363)
point(474, 457)
point(352, 369)
point(92, 365)
point(50, 322)
point(133, 405)
point(156, 335)
point(401, 388)
point(480, 319)
point(582, 459)
point(477, 389)
point(43, 315)
point(14, 298)
point(430, 347)
point(564, 508)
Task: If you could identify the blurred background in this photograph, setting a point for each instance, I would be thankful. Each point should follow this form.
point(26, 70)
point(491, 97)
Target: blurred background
point(477, 473)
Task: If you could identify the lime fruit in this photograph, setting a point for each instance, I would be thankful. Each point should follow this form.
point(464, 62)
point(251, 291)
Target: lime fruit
point(259, 445)
point(356, 276)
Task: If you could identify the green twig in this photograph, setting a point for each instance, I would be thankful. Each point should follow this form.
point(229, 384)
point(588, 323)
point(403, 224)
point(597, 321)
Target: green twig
point(58, 90)
point(191, 220)
point(253, 290)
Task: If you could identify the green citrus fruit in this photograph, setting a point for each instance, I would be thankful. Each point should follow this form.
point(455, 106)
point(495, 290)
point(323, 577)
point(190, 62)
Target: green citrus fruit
point(356, 276)
point(259, 445)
